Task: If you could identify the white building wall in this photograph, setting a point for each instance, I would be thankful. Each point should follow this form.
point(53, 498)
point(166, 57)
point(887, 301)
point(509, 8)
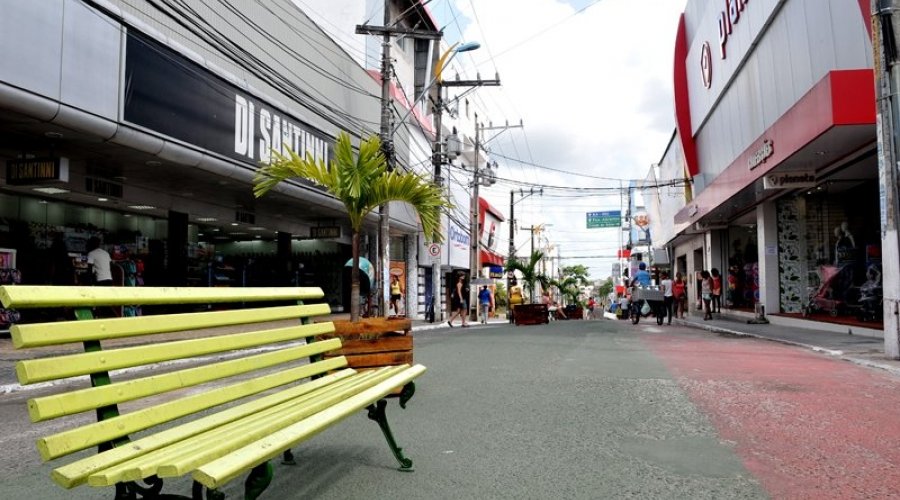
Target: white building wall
point(798, 43)
point(670, 199)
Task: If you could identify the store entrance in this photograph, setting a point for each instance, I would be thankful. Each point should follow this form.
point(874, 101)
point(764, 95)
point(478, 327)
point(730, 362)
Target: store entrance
point(742, 277)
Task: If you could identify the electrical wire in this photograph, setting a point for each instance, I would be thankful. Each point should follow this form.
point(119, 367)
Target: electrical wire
point(258, 68)
point(538, 33)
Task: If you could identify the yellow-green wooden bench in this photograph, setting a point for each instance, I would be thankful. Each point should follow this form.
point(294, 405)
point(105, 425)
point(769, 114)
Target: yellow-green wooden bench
point(238, 397)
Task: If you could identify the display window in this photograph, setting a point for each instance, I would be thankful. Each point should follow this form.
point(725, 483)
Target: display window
point(830, 252)
point(741, 282)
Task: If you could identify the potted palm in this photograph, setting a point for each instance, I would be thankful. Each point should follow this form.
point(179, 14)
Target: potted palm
point(362, 183)
point(527, 314)
point(573, 278)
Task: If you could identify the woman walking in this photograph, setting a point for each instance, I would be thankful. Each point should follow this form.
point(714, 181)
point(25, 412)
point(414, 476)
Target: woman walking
point(458, 302)
point(679, 293)
point(706, 286)
point(396, 294)
point(666, 286)
point(716, 291)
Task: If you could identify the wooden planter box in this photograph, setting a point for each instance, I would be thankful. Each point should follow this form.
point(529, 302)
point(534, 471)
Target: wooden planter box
point(373, 342)
point(575, 313)
point(530, 314)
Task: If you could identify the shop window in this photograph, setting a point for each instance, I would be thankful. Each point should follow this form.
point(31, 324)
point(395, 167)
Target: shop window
point(742, 277)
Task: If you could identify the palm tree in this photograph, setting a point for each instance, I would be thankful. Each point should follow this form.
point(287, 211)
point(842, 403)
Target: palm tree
point(573, 278)
point(362, 183)
point(529, 270)
point(568, 287)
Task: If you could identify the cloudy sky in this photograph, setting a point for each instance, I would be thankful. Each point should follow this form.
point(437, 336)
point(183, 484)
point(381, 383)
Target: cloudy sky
point(592, 82)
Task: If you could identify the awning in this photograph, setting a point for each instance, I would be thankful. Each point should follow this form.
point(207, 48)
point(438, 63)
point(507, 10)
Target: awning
point(489, 258)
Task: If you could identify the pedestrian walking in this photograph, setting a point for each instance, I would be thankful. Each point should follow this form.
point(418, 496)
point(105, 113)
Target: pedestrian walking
point(666, 286)
point(458, 302)
point(716, 303)
point(484, 303)
point(591, 304)
point(396, 294)
point(706, 286)
point(679, 293)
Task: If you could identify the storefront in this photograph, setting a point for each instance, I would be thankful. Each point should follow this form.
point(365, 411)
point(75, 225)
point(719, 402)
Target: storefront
point(775, 117)
point(117, 121)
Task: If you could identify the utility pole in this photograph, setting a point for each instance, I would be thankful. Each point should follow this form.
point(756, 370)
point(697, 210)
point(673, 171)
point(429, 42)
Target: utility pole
point(475, 230)
point(477, 180)
point(387, 32)
point(885, 34)
point(387, 147)
point(438, 153)
point(511, 256)
point(437, 160)
point(512, 236)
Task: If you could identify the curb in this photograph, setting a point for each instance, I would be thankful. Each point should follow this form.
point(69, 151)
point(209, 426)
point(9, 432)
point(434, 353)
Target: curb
point(830, 352)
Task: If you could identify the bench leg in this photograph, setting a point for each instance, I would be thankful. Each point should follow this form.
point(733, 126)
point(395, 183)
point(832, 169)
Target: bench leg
point(197, 493)
point(131, 490)
point(376, 413)
point(258, 480)
point(288, 458)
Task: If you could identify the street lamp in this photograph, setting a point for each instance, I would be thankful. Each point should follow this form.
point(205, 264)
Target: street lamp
point(438, 153)
point(442, 62)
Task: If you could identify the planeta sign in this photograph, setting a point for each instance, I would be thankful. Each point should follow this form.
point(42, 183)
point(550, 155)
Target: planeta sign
point(730, 16)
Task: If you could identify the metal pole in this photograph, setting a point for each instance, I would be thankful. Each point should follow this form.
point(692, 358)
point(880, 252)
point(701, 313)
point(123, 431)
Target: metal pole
point(382, 268)
point(885, 34)
point(512, 252)
point(475, 233)
point(437, 160)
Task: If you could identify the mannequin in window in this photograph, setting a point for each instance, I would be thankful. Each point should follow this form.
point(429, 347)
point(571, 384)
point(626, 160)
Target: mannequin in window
point(844, 245)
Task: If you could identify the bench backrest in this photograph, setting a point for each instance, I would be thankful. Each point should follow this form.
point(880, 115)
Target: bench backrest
point(181, 352)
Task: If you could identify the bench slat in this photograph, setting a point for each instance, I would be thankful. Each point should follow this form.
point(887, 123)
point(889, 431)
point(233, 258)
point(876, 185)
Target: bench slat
point(251, 430)
point(64, 332)
point(69, 403)
point(79, 438)
point(76, 473)
point(57, 367)
point(222, 470)
point(145, 465)
point(28, 296)
point(217, 442)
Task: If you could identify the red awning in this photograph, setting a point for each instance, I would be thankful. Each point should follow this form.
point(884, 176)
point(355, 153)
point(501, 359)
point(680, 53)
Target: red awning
point(489, 258)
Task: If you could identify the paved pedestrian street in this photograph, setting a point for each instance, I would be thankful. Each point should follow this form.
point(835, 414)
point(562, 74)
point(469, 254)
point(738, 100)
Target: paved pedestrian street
point(586, 409)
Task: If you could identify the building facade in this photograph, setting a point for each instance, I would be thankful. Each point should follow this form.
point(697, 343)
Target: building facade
point(145, 123)
point(776, 145)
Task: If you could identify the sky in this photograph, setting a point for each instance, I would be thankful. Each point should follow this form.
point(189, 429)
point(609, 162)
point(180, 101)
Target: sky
point(592, 83)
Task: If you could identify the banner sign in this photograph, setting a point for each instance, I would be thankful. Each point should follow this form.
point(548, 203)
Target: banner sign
point(36, 171)
point(790, 180)
point(324, 232)
point(173, 95)
point(611, 218)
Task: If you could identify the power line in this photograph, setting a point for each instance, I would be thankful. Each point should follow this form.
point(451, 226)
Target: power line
point(539, 33)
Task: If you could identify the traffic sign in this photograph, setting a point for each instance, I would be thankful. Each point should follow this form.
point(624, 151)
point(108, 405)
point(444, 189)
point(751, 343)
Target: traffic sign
point(611, 218)
point(434, 250)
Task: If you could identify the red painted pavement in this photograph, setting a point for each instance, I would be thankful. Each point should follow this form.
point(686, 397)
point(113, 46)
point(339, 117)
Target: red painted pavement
point(805, 425)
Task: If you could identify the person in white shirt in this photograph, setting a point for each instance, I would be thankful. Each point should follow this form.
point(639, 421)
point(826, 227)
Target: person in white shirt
point(100, 262)
point(668, 298)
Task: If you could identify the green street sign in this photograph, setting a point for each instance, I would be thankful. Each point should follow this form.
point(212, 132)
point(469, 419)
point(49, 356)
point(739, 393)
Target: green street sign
point(612, 218)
